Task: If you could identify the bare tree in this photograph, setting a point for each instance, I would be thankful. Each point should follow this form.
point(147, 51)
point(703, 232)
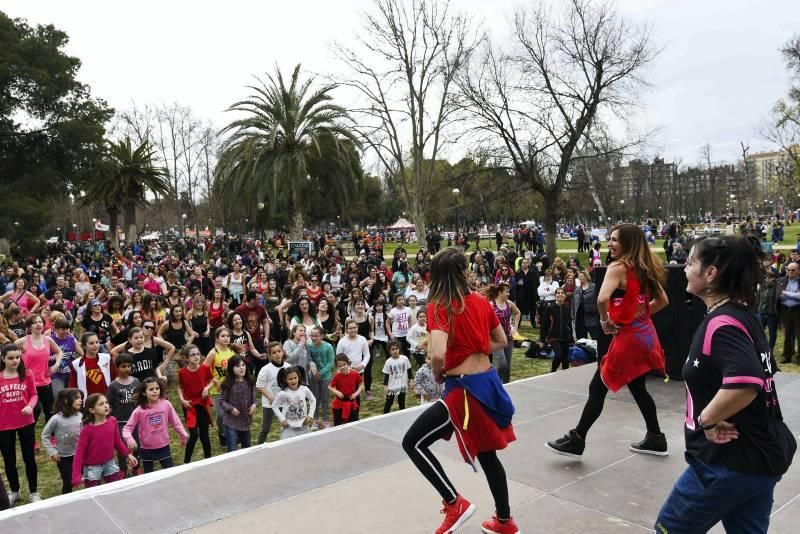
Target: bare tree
point(571, 67)
point(207, 150)
point(705, 154)
point(410, 54)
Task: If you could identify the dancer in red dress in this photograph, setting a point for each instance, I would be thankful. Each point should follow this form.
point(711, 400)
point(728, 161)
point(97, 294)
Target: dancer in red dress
point(631, 291)
point(474, 407)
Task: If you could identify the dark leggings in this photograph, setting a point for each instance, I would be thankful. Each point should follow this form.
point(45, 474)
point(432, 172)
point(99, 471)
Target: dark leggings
point(434, 424)
point(401, 402)
point(45, 404)
point(368, 375)
point(8, 449)
point(561, 350)
point(597, 397)
point(200, 430)
point(65, 470)
point(149, 465)
point(339, 420)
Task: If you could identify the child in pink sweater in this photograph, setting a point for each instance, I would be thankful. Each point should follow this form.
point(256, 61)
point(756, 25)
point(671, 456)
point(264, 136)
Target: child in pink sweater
point(153, 417)
point(94, 455)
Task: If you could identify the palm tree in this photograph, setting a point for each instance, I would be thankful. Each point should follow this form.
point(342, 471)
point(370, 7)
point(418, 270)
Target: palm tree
point(271, 149)
point(125, 187)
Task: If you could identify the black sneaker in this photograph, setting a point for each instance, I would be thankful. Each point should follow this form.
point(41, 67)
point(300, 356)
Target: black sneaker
point(655, 444)
point(571, 445)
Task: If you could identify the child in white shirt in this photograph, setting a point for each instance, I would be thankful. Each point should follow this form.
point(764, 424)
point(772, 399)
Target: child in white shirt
point(396, 373)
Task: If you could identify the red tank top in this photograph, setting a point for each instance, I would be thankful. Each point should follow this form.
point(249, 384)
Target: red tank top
point(215, 316)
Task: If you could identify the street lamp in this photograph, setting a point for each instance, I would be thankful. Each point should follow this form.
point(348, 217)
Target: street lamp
point(94, 236)
point(456, 192)
point(183, 225)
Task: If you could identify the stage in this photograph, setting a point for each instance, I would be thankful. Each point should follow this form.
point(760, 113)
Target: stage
point(356, 478)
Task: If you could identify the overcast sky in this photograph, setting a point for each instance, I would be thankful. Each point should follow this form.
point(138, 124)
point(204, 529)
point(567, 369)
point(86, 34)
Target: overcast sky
point(719, 73)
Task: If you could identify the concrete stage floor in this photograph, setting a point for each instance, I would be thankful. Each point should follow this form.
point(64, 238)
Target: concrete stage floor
point(356, 478)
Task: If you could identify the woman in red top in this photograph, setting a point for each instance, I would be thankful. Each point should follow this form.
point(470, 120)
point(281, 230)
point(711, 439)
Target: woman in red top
point(464, 330)
point(631, 291)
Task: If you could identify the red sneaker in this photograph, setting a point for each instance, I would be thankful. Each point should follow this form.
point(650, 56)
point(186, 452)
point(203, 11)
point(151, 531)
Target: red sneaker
point(495, 526)
point(36, 446)
point(455, 515)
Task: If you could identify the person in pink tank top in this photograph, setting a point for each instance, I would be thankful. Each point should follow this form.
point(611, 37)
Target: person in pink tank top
point(36, 350)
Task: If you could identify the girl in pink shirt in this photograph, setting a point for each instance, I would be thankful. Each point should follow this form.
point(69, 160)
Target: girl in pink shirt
point(94, 456)
point(17, 399)
point(153, 417)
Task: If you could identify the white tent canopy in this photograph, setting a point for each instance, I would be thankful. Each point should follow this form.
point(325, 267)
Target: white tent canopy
point(401, 224)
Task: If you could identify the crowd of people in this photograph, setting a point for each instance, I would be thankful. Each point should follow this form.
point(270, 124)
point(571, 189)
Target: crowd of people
point(97, 340)
point(99, 347)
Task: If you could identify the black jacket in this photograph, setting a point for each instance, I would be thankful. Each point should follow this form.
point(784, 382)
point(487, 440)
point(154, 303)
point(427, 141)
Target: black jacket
point(557, 324)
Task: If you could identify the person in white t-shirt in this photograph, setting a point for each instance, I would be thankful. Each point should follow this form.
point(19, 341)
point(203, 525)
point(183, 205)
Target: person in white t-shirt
point(354, 346)
point(267, 385)
point(418, 338)
point(294, 405)
point(399, 320)
point(396, 377)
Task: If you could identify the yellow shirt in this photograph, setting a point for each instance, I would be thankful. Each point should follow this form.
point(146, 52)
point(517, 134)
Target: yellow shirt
point(220, 367)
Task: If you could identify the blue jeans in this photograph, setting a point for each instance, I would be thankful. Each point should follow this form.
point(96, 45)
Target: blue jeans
point(708, 493)
point(770, 322)
point(232, 436)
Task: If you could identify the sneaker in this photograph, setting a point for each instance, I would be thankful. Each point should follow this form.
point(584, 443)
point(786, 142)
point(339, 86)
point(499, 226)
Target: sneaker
point(455, 515)
point(571, 445)
point(34, 497)
point(314, 427)
point(13, 496)
point(495, 526)
point(223, 443)
point(655, 444)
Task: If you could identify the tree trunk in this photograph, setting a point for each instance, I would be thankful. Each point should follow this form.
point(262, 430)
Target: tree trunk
point(113, 214)
point(130, 223)
point(550, 220)
point(295, 219)
point(419, 225)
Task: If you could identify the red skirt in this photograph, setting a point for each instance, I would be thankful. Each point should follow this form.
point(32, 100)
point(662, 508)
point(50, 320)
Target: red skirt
point(480, 433)
point(634, 351)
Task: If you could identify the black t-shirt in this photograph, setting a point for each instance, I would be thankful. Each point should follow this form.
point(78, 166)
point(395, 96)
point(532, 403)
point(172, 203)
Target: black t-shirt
point(730, 351)
point(144, 363)
point(102, 327)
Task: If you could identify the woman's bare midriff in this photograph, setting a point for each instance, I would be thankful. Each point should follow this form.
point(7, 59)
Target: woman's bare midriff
point(475, 363)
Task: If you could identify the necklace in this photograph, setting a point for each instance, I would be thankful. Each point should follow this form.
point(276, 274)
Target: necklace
point(717, 304)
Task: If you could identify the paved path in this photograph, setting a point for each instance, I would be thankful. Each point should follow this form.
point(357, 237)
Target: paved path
point(356, 479)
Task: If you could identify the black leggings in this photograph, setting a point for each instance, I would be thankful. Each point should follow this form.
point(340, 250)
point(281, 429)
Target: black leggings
point(200, 430)
point(597, 397)
point(45, 403)
point(65, 470)
point(367, 376)
point(339, 420)
point(401, 402)
point(561, 350)
point(149, 465)
point(434, 424)
point(8, 449)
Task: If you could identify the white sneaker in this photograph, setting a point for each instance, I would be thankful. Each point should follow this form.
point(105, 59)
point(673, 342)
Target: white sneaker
point(13, 496)
point(34, 497)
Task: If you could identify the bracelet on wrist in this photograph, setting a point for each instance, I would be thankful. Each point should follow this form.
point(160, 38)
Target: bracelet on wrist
point(704, 426)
